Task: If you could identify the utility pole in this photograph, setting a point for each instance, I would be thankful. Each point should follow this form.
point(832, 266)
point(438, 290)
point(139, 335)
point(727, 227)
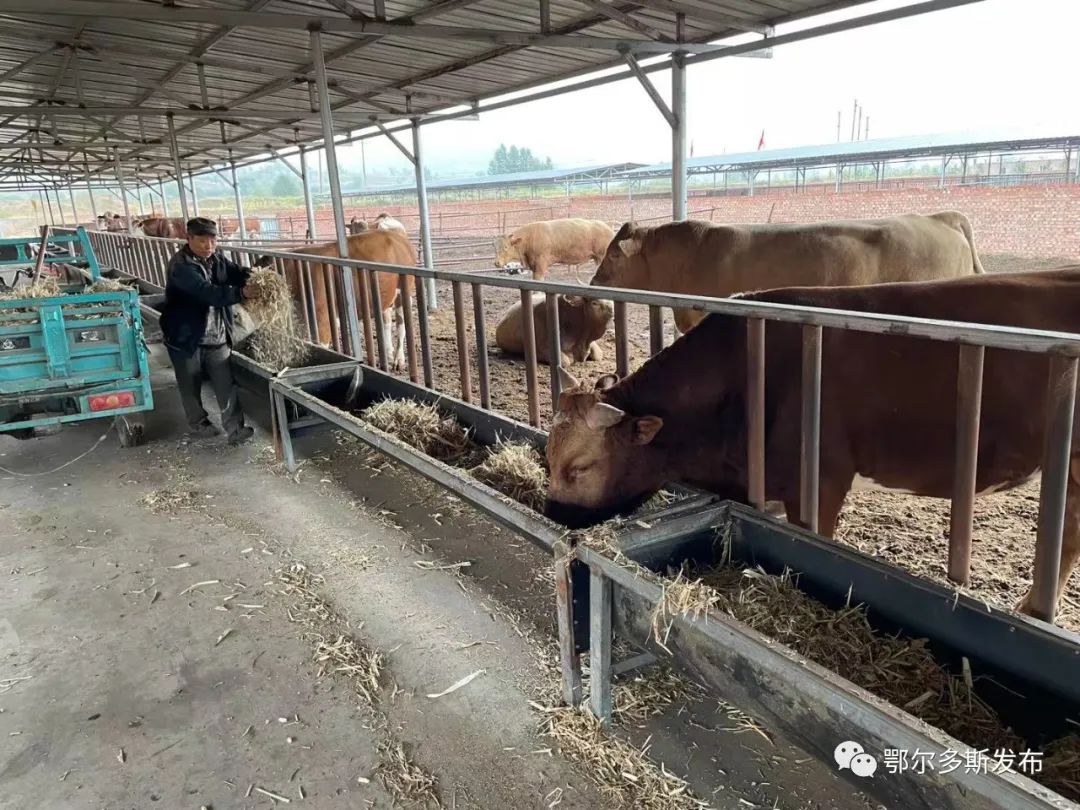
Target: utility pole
point(854, 110)
point(839, 117)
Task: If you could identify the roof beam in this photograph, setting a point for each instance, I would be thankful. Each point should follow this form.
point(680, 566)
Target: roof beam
point(349, 9)
point(11, 73)
point(213, 114)
point(705, 15)
point(626, 19)
point(650, 88)
point(262, 19)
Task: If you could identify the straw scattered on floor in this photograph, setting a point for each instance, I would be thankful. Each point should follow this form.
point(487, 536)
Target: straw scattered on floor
point(407, 782)
point(173, 499)
point(420, 426)
point(517, 470)
point(278, 341)
point(623, 773)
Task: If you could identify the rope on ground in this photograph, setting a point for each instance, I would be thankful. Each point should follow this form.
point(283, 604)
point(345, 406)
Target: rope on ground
point(82, 455)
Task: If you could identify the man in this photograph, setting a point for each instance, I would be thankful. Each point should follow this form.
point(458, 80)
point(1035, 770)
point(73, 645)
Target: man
point(201, 288)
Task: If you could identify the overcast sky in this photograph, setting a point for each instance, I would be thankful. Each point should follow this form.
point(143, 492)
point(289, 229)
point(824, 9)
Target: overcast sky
point(993, 64)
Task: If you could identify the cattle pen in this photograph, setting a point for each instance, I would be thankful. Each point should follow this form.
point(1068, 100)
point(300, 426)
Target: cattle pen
point(614, 588)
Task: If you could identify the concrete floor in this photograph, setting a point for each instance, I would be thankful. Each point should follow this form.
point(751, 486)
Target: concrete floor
point(153, 658)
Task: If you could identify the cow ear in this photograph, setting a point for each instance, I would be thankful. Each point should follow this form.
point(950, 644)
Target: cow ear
point(573, 300)
point(602, 416)
point(625, 231)
point(515, 240)
point(645, 429)
point(606, 381)
point(567, 381)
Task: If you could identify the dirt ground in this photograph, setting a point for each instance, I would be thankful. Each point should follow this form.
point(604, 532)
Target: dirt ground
point(909, 531)
point(184, 626)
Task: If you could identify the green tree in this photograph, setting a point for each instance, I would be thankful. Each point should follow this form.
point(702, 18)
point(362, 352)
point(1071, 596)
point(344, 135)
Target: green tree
point(516, 159)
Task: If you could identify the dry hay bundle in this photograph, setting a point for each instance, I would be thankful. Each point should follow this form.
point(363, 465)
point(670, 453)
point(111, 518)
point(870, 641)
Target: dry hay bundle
point(900, 670)
point(517, 470)
point(278, 341)
point(421, 426)
point(44, 287)
point(103, 285)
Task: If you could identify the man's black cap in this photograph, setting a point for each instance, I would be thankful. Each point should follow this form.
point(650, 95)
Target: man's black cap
point(201, 226)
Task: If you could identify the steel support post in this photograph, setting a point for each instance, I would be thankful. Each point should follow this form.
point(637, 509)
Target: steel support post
point(164, 202)
point(678, 129)
point(176, 168)
point(309, 207)
point(335, 192)
point(74, 210)
point(425, 216)
point(194, 196)
point(123, 188)
point(239, 200)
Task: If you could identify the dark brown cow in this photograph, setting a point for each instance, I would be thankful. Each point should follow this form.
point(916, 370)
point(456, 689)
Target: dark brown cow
point(887, 409)
point(227, 226)
point(162, 227)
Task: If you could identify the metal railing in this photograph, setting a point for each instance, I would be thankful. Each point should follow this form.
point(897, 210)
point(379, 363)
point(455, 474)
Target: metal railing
point(146, 258)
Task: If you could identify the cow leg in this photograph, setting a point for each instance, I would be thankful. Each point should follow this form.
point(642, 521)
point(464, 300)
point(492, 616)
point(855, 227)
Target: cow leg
point(1070, 536)
point(399, 326)
point(686, 319)
point(387, 321)
point(595, 352)
point(539, 269)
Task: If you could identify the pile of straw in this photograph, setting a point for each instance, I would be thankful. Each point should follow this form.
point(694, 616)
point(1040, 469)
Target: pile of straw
point(44, 287)
point(278, 342)
point(516, 470)
point(108, 285)
point(420, 426)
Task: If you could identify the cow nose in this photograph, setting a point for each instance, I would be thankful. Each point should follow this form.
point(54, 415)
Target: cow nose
point(572, 515)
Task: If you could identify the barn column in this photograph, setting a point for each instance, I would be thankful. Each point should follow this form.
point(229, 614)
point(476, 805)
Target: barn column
point(161, 193)
point(74, 210)
point(46, 205)
point(123, 188)
point(308, 206)
point(326, 115)
point(239, 200)
point(194, 196)
point(425, 216)
point(176, 168)
point(678, 125)
point(93, 205)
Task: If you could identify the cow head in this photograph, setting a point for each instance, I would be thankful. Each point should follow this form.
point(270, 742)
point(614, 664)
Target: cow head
point(506, 250)
point(602, 459)
point(593, 315)
point(624, 264)
point(264, 261)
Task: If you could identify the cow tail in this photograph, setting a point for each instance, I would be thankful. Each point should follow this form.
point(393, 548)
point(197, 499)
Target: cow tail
point(965, 226)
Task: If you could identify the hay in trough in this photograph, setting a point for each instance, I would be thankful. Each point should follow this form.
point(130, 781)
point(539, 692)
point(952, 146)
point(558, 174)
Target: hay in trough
point(515, 469)
point(278, 341)
point(420, 426)
point(103, 284)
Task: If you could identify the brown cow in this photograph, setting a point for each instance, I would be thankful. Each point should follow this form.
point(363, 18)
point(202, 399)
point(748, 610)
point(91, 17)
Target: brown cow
point(699, 258)
point(582, 322)
point(357, 225)
point(385, 222)
point(388, 247)
point(162, 227)
point(887, 409)
point(538, 245)
point(227, 226)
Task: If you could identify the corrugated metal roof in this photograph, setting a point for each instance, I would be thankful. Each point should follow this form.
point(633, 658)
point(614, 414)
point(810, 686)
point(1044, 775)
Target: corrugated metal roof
point(913, 146)
point(143, 57)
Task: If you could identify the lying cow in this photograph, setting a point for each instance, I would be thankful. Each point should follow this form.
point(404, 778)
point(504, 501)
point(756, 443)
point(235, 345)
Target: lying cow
point(539, 245)
point(887, 409)
point(699, 258)
point(582, 322)
point(386, 247)
point(227, 226)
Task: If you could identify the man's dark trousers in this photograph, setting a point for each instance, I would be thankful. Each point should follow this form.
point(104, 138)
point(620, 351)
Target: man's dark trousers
point(208, 362)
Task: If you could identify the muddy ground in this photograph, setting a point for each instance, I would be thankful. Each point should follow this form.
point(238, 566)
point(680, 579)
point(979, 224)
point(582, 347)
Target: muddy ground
point(909, 531)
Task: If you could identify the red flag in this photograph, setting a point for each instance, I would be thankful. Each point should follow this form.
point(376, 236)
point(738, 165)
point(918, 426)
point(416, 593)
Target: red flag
point(761, 141)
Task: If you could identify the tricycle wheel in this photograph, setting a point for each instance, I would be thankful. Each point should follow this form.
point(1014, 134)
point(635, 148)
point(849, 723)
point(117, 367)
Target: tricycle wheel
point(130, 430)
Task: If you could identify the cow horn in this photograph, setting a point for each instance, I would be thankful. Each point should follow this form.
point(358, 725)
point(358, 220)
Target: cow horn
point(567, 380)
point(601, 416)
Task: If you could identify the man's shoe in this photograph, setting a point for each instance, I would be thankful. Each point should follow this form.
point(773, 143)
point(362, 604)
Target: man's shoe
point(242, 436)
point(205, 431)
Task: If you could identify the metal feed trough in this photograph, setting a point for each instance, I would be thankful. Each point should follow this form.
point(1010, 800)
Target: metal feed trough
point(816, 707)
point(1028, 670)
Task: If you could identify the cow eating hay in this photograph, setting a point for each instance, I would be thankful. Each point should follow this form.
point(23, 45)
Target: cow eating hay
point(278, 341)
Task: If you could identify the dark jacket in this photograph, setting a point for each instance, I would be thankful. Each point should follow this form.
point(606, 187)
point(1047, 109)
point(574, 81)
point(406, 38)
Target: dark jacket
point(189, 296)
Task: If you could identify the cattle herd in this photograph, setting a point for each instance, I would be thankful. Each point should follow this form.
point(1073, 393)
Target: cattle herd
point(887, 400)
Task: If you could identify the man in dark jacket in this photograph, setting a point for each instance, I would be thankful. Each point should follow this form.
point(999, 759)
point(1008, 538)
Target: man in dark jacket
point(201, 288)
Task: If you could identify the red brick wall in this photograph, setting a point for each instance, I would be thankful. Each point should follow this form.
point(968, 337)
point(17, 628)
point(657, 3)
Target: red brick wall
point(1040, 221)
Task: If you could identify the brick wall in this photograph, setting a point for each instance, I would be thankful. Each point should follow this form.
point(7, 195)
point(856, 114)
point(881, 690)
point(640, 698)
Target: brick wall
point(1036, 221)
